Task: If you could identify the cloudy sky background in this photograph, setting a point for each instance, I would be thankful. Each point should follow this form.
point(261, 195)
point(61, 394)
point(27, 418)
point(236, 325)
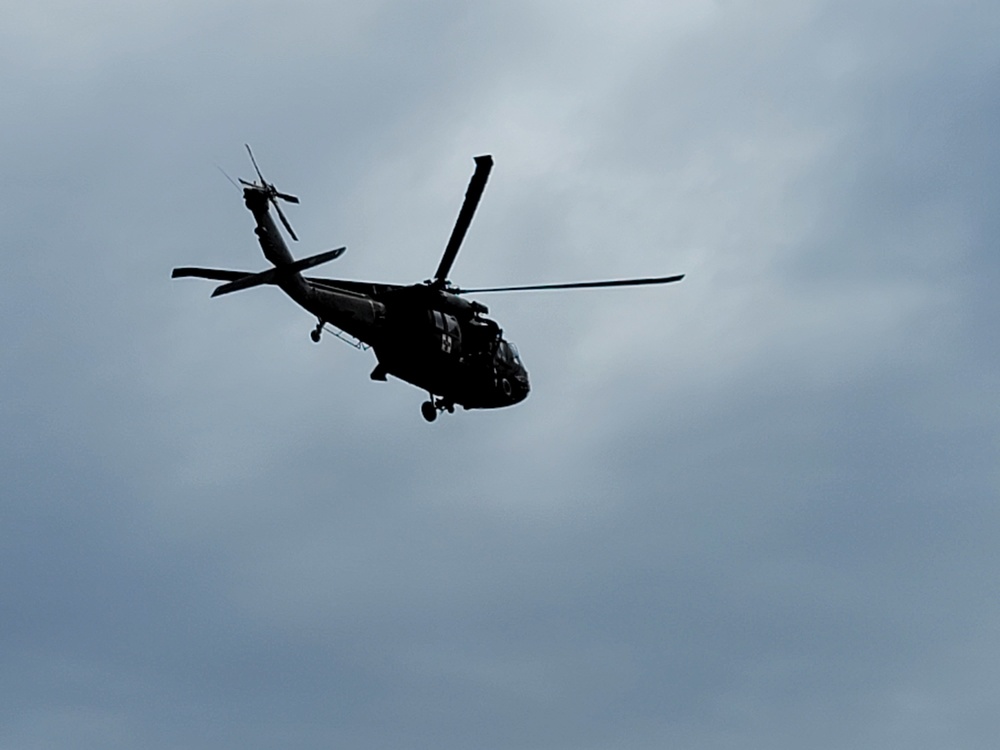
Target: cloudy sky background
point(754, 509)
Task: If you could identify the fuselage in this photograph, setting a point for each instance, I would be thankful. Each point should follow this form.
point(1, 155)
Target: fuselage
point(426, 336)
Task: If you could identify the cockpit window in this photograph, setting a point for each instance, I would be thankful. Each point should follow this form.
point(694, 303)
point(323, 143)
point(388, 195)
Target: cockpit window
point(507, 352)
point(514, 355)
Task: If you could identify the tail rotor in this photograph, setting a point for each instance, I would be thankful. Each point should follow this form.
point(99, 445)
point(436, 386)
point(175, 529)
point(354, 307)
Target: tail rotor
point(271, 193)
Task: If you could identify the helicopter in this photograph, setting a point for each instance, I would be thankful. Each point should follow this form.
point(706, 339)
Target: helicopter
point(427, 334)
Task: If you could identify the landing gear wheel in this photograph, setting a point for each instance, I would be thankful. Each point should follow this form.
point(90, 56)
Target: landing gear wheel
point(429, 411)
point(316, 332)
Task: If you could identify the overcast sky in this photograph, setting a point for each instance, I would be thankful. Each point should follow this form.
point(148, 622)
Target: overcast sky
point(758, 508)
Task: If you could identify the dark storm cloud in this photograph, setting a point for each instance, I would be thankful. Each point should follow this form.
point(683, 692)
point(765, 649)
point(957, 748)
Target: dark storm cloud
point(756, 508)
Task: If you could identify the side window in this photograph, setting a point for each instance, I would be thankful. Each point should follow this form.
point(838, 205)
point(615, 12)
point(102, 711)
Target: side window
point(445, 323)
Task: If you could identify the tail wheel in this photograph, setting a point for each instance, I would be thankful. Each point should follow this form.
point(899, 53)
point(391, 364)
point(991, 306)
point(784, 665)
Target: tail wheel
point(429, 411)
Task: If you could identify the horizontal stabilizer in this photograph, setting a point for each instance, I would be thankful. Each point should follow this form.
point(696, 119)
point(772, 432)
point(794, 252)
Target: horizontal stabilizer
point(252, 279)
point(273, 275)
point(314, 260)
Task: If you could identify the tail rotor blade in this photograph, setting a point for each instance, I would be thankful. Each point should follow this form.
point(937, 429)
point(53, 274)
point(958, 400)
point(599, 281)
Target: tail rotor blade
point(284, 220)
point(254, 162)
point(226, 175)
point(272, 193)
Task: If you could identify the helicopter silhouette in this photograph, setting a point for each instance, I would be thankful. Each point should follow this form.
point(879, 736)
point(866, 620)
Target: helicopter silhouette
point(426, 334)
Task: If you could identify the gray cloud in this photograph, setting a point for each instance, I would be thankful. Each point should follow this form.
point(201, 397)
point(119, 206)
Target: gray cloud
point(753, 509)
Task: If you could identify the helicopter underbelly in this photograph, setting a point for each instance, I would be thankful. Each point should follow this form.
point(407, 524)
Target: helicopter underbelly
point(467, 383)
point(440, 375)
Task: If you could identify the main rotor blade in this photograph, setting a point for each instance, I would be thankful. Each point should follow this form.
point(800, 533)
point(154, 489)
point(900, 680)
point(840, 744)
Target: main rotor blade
point(575, 285)
point(286, 197)
point(284, 220)
point(472, 195)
